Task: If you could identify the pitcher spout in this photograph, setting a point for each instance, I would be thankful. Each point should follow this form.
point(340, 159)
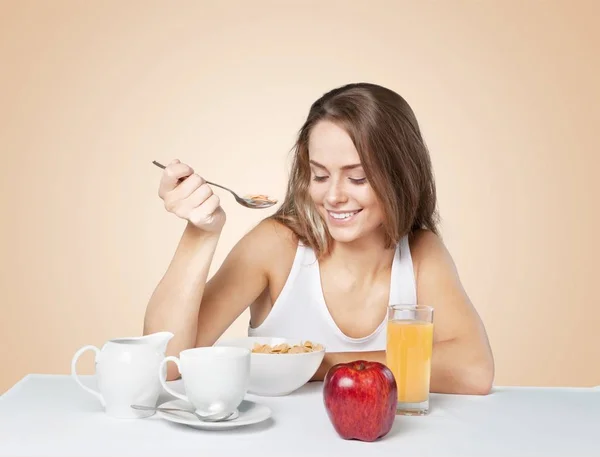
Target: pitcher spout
point(159, 340)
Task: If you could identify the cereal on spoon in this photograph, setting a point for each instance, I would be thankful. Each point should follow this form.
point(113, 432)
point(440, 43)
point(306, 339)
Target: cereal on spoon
point(260, 198)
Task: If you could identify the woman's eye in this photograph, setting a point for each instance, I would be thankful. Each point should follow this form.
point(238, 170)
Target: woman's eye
point(319, 178)
point(358, 180)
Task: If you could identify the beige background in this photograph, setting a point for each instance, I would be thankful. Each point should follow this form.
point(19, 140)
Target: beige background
point(91, 92)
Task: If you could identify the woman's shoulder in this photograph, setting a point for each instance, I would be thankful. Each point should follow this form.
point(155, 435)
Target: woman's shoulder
point(423, 240)
point(279, 234)
point(271, 241)
point(432, 261)
point(428, 250)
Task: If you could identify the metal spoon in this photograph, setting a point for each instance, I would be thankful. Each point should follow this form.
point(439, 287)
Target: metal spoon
point(210, 418)
point(254, 203)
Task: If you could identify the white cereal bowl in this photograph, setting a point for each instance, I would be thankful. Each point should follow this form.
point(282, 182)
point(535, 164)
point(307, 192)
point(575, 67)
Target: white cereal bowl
point(274, 375)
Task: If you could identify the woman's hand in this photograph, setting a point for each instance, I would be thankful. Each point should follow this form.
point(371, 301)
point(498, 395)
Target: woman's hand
point(188, 196)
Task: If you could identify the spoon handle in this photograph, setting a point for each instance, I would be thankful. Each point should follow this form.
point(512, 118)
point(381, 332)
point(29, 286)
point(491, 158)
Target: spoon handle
point(222, 187)
point(247, 202)
point(160, 165)
point(203, 418)
point(156, 408)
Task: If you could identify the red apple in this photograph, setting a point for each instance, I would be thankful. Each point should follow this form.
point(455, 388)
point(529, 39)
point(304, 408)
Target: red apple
point(360, 398)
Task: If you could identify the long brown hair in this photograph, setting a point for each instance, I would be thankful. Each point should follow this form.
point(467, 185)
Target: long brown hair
point(394, 156)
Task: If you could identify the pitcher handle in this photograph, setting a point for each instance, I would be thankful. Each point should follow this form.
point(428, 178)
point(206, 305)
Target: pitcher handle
point(76, 376)
point(163, 379)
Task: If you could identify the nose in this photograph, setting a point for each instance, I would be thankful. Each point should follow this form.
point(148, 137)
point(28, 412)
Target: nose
point(335, 194)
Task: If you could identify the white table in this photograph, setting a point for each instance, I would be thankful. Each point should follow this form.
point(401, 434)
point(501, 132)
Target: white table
point(49, 415)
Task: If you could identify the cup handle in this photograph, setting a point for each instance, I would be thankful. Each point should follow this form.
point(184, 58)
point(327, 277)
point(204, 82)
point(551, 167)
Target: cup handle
point(163, 379)
point(76, 376)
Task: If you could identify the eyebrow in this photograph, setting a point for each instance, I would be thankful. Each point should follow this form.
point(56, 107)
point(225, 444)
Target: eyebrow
point(345, 167)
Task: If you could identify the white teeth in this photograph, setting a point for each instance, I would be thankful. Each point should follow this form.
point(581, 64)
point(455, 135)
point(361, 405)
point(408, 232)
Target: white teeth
point(342, 215)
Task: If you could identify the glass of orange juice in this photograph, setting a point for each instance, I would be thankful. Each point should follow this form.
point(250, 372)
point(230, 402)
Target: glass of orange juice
point(408, 355)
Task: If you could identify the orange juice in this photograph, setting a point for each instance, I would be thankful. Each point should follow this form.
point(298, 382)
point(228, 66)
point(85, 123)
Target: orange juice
point(408, 356)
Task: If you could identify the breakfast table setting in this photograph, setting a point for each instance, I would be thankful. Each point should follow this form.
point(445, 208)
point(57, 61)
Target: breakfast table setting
point(254, 397)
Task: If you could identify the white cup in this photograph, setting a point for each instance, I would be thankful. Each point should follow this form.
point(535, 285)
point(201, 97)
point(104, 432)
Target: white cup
point(215, 378)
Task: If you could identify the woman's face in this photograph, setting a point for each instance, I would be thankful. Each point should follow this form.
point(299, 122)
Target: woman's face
point(338, 185)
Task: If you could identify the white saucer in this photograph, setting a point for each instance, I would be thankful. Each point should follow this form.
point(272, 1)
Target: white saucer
point(249, 413)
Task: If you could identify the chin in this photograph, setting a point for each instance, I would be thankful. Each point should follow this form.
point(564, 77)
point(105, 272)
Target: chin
point(342, 236)
point(353, 234)
point(348, 234)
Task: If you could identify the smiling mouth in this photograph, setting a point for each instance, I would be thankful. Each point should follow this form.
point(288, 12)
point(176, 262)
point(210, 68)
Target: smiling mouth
point(342, 216)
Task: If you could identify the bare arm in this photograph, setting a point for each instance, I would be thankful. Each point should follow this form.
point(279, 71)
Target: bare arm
point(183, 302)
point(243, 276)
point(462, 359)
point(176, 300)
point(198, 312)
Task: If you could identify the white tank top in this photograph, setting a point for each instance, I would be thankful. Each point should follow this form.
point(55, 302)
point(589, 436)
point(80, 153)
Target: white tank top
point(300, 311)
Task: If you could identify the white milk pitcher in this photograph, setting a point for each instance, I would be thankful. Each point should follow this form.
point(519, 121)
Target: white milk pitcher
point(127, 373)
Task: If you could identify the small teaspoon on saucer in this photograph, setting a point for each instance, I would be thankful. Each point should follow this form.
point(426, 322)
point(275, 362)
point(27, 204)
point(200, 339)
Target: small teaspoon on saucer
point(211, 418)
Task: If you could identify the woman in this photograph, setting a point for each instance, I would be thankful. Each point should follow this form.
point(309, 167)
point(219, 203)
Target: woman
point(357, 231)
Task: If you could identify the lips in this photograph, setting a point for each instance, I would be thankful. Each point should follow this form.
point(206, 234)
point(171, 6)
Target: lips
point(342, 216)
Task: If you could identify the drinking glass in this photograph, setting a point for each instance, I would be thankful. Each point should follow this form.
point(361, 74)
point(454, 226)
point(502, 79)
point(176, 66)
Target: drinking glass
point(408, 355)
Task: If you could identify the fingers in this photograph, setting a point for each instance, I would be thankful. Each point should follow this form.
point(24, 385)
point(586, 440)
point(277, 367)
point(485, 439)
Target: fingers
point(188, 187)
point(204, 214)
point(211, 204)
point(183, 201)
point(187, 195)
point(199, 195)
point(171, 176)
